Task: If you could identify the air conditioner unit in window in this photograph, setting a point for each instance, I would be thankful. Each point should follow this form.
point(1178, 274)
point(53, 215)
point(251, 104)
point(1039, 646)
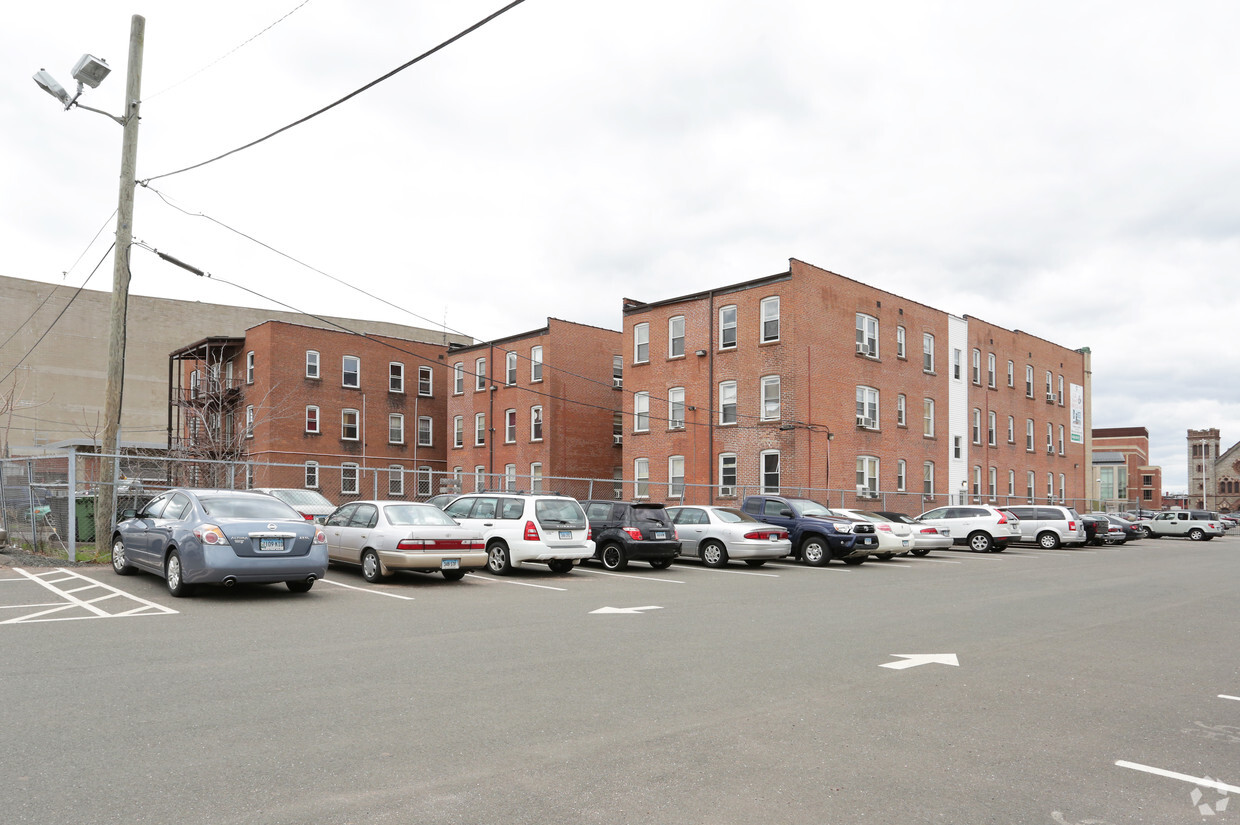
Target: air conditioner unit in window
point(1050, 398)
point(863, 348)
point(862, 421)
point(617, 440)
point(617, 383)
point(1050, 451)
point(727, 492)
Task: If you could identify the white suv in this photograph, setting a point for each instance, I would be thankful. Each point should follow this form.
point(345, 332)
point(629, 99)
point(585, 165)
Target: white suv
point(520, 528)
point(982, 527)
point(1198, 525)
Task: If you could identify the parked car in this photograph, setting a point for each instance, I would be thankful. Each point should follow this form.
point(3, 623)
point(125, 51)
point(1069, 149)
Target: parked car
point(716, 535)
point(818, 534)
point(982, 527)
point(191, 537)
point(523, 528)
point(312, 504)
point(625, 531)
point(1096, 529)
point(926, 537)
point(1198, 525)
point(1128, 529)
point(1049, 525)
point(384, 536)
point(442, 500)
point(895, 538)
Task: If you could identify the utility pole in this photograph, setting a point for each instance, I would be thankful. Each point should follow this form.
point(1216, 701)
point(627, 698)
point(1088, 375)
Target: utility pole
point(105, 508)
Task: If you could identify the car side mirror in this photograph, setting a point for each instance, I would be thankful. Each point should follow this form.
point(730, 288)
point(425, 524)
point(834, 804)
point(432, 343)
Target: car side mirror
point(128, 514)
point(786, 513)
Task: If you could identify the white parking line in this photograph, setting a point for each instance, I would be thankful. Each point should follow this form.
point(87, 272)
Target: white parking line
point(367, 590)
point(733, 572)
point(628, 576)
point(1225, 696)
point(938, 561)
point(494, 580)
point(836, 568)
point(145, 608)
point(891, 564)
point(1200, 781)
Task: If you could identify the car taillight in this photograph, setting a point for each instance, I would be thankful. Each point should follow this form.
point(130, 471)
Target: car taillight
point(307, 516)
point(410, 544)
point(1072, 525)
point(589, 534)
point(765, 535)
point(929, 530)
point(531, 532)
point(319, 536)
point(886, 528)
point(1002, 519)
point(634, 533)
point(210, 534)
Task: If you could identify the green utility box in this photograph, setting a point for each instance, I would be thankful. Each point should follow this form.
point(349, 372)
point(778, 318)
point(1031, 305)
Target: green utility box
point(84, 513)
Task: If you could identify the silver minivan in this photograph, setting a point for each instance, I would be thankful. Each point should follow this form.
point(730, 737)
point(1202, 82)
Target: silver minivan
point(1049, 525)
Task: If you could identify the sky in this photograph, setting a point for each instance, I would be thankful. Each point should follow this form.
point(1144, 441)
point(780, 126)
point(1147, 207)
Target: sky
point(1069, 169)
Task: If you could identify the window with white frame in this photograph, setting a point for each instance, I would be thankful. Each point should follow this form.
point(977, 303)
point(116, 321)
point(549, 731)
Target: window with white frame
point(425, 382)
point(901, 410)
point(867, 335)
point(1011, 483)
point(1063, 487)
point(977, 367)
point(536, 364)
point(977, 481)
point(1060, 379)
point(349, 425)
point(727, 402)
point(510, 369)
point(901, 351)
point(249, 476)
point(927, 478)
point(992, 429)
point(1029, 482)
point(617, 371)
point(768, 462)
point(867, 407)
point(480, 374)
point(1011, 374)
point(676, 337)
point(1029, 381)
point(727, 474)
point(1050, 437)
point(510, 426)
point(510, 478)
point(867, 476)
point(249, 368)
point(1050, 486)
point(641, 343)
point(396, 481)
point(676, 476)
point(992, 482)
point(536, 477)
point(458, 431)
point(1029, 435)
point(425, 438)
point(641, 478)
point(957, 446)
point(1050, 393)
point(312, 364)
point(348, 479)
point(312, 475)
point(727, 327)
point(927, 418)
point(396, 429)
point(770, 397)
point(641, 412)
point(536, 423)
point(193, 384)
point(396, 377)
point(977, 426)
point(676, 408)
point(458, 378)
point(927, 353)
point(617, 483)
point(957, 359)
point(901, 475)
point(769, 315)
point(990, 370)
point(1011, 429)
point(351, 372)
point(312, 419)
point(424, 481)
point(1061, 439)
point(480, 478)
point(480, 429)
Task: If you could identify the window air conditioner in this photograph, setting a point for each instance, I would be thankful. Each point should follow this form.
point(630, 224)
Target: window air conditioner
point(1050, 398)
point(617, 383)
point(727, 492)
point(863, 348)
point(862, 421)
point(617, 439)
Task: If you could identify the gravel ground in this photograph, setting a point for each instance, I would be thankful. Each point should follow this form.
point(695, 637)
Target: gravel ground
point(12, 557)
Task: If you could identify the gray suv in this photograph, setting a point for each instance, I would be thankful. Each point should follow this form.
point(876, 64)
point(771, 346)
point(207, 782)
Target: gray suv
point(1049, 526)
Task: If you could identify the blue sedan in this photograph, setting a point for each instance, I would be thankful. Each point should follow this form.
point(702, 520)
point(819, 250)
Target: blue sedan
point(223, 537)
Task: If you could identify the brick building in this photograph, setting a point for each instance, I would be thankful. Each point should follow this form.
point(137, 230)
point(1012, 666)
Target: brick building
point(1213, 472)
point(539, 404)
point(349, 415)
point(1123, 477)
point(807, 380)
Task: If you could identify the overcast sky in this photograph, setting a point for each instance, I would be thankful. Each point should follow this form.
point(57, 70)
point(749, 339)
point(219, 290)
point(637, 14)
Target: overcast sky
point(1070, 169)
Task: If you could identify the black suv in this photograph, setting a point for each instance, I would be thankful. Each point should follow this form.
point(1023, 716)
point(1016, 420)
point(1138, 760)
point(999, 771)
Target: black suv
point(625, 531)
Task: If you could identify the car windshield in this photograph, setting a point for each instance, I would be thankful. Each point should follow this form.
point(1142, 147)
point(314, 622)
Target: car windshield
point(866, 514)
point(302, 498)
point(404, 515)
point(809, 507)
point(560, 512)
point(727, 514)
point(254, 506)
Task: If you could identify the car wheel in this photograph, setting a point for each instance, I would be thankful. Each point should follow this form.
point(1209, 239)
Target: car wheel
point(453, 575)
point(1145, 532)
point(122, 567)
point(498, 560)
point(814, 552)
point(1048, 540)
point(853, 561)
point(755, 562)
point(661, 564)
point(980, 542)
point(612, 556)
point(302, 586)
point(714, 554)
point(175, 576)
point(921, 552)
point(560, 565)
point(1196, 534)
point(371, 569)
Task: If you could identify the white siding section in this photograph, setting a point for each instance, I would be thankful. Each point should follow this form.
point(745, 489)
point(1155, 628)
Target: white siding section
point(958, 405)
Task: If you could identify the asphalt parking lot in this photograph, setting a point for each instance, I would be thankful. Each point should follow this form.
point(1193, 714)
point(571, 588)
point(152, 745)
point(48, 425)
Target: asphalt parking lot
point(1095, 685)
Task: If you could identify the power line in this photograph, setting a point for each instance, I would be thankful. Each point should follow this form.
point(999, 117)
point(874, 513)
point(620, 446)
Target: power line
point(352, 94)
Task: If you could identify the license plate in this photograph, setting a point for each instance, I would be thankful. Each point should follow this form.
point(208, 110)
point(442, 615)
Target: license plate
point(904, 543)
point(450, 564)
point(660, 534)
point(867, 541)
point(566, 535)
point(774, 537)
point(271, 545)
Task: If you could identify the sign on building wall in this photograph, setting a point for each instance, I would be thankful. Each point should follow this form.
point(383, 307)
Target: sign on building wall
point(1077, 397)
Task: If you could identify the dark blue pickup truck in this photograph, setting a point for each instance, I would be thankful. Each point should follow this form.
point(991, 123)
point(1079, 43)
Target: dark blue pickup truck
point(818, 534)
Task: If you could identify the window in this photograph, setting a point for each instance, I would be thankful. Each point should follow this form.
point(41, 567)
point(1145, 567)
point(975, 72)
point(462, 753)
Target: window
point(977, 426)
point(927, 416)
point(480, 478)
point(1050, 438)
point(312, 419)
point(536, 366)
point(1029, 486)
point(1028, 381)
point(641, 478)
point(193, 384)
point(1060, 379)
point(867, 407)
point(249, 368)
point(1011, 482)
point(957, 446)
point(901, 475)
point(510, 426)
point(1029, 435)
point(676, 408)
point(990, 370)
point(396, 377)
point(977, 367)
point(770, 398)
point(480, 375)
point(424, 381)
point(977, 481)
point(727, 328)
point(424, 431)
point(867, 335)
point(727, 474)
point(768, 462)
point(249, 421)
point(617, 371)
point(1050, 486)
point(424, 481)
point(1061, 439)
point(927, 353)
point(992, 429)
point(957, 357)
point(867, 476)
point(510, 369)
point(396, 481)
point(901, 410)
point(676, 337)
point(480, 429)
point(536, 424)
point(458, 378)
point(676, 476)
point(1050, 393)
point(349, 425)
point(458, 431)
point(396, 429)
point(351, 371)
point(641, 343)
point(536, 477)
point(927, 479)
point(510, 478)
point(348, 479)
point(617, 429)
point(900, 343)
point(992, 482)
point(727, 402)
point(641, 412)
point(770, 319)
point(1063, 487)
point(1011, 429)
point(1011, 374)
point(312, 475)
point(312, 364)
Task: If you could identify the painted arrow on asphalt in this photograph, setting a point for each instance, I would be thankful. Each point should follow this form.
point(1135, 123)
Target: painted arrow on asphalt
point(915, 659)
point(626, 609)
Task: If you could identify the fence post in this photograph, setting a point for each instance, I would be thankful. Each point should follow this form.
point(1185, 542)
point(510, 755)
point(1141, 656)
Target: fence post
point(72, 498)
point(34, 520)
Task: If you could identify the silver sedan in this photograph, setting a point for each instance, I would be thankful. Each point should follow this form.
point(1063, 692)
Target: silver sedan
point(926, 537)
point(717, 534)
point(385, 536)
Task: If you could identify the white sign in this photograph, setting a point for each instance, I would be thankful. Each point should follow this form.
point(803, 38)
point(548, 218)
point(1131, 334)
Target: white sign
point(915, 659)
point(1077, 408)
